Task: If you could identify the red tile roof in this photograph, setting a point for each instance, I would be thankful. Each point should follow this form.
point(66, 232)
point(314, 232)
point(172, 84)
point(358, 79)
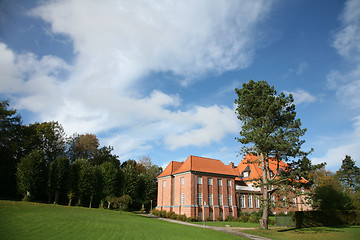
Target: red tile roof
point(201, 164)
point(170, 169)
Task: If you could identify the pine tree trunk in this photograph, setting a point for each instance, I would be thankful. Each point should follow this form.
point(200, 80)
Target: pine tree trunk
point(265, 192)
point(56, 197)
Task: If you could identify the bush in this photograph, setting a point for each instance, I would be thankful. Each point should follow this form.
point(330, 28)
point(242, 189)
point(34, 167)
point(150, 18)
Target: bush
point(244, 218)
point(230, 218)
point(326, 218)
point(271, 221)
point(208, 219)
point(169, 214)
point(219, 218)
point(192, 219)
point(254, 219)
point(174, 216)
point(181, 218)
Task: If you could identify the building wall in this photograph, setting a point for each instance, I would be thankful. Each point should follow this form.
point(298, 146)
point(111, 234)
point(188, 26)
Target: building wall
point(170, 198)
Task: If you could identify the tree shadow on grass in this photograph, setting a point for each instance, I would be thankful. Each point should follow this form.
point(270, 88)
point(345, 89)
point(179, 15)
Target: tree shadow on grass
point(316, 229)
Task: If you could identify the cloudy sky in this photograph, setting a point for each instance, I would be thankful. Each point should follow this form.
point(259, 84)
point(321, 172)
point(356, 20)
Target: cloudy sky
point(157, 78)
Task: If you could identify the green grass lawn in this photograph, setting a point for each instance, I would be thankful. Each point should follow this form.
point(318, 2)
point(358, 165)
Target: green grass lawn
point(22, 220)
point(317, 233)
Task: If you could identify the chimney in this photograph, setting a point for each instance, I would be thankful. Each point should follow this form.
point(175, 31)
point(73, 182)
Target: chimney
point(231, 164)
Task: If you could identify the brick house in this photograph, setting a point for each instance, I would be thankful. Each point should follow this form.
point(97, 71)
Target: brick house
point(207, 187)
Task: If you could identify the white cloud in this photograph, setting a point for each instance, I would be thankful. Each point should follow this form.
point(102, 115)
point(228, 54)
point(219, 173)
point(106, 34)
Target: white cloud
point(346, 84)
point(347, 144)
point(301, 96)
point(117, 45)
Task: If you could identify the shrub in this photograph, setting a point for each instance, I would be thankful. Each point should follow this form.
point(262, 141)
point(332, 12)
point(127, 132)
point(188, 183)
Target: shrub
point(174, 216)
point(326, 218)
point(192, 219)
point(244, 218)
point(254, 219)
point(208, 219)
point(168, 214)
point(181, 218)
point(271, 222)
point(230, 218)
point(219, 218)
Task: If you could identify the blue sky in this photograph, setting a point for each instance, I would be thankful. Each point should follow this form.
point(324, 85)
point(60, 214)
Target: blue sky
point(157, 78)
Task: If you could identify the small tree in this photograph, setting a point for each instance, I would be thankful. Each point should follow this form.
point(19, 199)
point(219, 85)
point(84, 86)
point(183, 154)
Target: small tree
point(31, 175)
point(270, 129)
point(349, 174)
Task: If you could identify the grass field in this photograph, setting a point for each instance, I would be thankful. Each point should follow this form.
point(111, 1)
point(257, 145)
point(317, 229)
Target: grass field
point(232, 224)
point(318, 233)
point(23, 220)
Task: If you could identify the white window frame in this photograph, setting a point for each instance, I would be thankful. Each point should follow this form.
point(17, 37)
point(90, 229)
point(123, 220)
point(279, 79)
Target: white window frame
point(182, 201)
point(210, 199)
point(219, 182)
point(182, 180)
point(229, 199)
point(164, 183)
point(294, 201)
point(246, 174)
point(220, 199)
point(199, 180)
point(257, 202)
point(199, 199)
point(229, 183)
point(284, 201)
point(250, 201)
point(210, 181)
point(242, 201)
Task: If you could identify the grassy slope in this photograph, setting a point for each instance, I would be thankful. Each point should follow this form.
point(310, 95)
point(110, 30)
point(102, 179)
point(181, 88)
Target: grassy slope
point(318, 233)
point(21, 220)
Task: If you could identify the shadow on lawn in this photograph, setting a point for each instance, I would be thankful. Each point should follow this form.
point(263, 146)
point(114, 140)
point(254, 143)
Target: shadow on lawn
point(316, 229)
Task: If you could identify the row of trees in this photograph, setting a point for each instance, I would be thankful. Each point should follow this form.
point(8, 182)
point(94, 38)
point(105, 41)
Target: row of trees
point(39, 162)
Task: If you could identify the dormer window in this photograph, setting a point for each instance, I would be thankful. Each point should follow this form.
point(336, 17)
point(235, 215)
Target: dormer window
point(246, 172)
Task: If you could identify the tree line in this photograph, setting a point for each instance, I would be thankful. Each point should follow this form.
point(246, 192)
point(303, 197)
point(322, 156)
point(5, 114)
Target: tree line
point(38, 162)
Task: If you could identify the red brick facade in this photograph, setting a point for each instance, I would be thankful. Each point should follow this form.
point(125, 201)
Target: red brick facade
point(207, 188)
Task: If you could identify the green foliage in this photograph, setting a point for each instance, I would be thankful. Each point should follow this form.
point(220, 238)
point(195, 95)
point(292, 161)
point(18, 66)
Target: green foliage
point(219, 218)
point(349, 175)
point(326, 218)
point(270, 129)
point(58, 175)
point(31, 175)
point(11, 146)
point(124, 202)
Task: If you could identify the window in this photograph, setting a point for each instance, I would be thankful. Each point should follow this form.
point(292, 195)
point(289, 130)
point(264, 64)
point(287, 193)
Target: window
point(250, 202)
point(229, 183)
point(199, 198)
point(200, 215)
point(284, 201)
point(164, 184)
point(209, 181)
point(257, 202)
point(246, 174)
point(221, 214)
point(294, 202)
point(220, 199)
point(273, 200)
point(182, 181)
point(199, 180)
point(210, 199)
point(229, 200)
point(242, 201)
point(182, 199)
point(219, 182)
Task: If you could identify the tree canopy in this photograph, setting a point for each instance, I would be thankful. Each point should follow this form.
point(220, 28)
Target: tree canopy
point(269, 129)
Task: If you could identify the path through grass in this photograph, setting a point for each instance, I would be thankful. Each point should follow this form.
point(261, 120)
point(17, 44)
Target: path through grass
point(22, 220)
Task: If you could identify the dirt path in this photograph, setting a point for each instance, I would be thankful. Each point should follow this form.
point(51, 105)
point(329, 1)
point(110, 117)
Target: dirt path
point(221, 229)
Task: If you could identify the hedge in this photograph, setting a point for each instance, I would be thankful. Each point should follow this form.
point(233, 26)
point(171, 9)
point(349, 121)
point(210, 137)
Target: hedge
point(326, 218)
